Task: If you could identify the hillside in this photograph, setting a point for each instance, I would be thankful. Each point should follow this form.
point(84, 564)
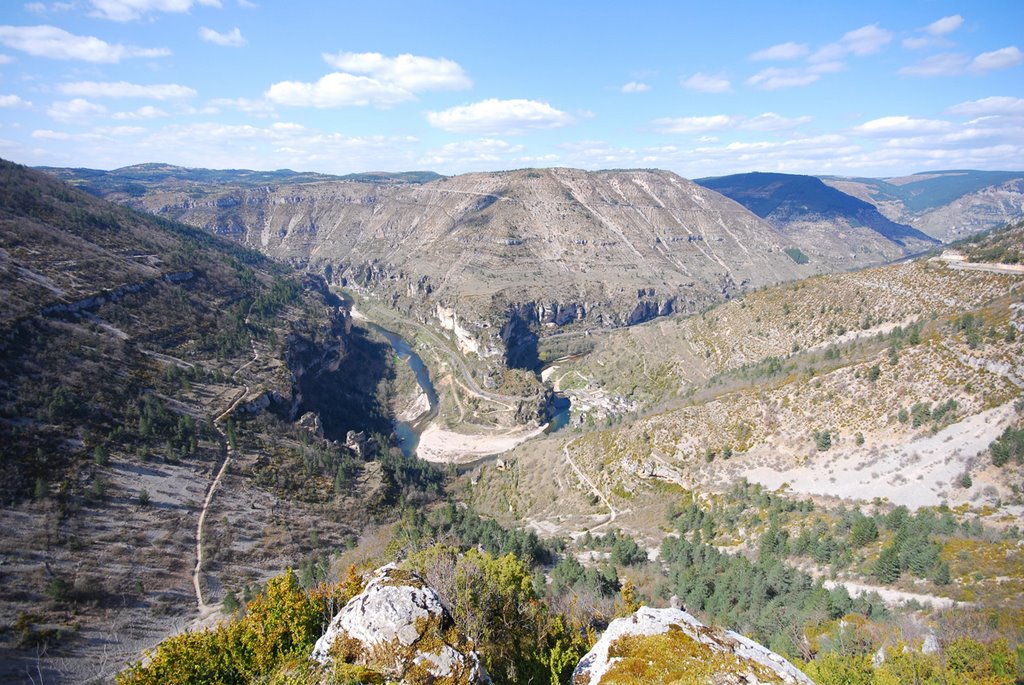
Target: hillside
point(150, 375)
point(762, 375)
point(509, 255)
point(944, 204)
point(889, 388)
point(825, 222)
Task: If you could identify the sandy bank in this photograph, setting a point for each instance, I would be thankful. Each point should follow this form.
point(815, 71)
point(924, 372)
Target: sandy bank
point(448, 447)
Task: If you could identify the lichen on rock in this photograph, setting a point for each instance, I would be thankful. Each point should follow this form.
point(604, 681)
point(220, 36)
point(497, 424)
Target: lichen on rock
point(671, 646)
point(398, 628)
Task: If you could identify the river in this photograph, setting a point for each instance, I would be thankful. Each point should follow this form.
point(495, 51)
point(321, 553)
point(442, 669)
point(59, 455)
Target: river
point(408, 432)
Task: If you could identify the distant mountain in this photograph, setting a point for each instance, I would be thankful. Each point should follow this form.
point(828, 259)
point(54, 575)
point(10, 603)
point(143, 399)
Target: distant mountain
point(137, 179)
point(509, 255)
point(945, 204)
point(803, 206)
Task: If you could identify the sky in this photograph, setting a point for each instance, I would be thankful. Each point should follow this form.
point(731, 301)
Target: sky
point(871, 88)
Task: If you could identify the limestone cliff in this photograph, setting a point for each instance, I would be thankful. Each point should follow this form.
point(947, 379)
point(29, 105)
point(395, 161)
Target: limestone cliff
point(537, 249)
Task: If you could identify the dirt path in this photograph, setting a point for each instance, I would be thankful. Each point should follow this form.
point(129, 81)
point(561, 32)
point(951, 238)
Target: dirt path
point(589, 483)
point(891, 596)
point(955, 260)
point(204, 608)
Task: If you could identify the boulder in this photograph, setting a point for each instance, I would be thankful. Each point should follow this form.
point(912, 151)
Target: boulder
point(668, 645)
point(398, 627)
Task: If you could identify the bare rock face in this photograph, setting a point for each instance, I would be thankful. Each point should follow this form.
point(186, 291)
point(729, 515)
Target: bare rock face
point(538, 248)
point(664, 645)
point(397, 627)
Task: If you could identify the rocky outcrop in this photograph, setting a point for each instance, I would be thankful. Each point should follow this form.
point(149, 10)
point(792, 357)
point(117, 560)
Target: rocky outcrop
point(664, 645)
point(398, 628)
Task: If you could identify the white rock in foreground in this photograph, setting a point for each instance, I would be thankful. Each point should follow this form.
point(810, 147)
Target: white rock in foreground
point(398, 627)
point(749, 661)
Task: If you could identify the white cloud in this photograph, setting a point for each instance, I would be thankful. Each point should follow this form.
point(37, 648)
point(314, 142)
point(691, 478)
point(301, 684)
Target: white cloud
point(129, 10)
point(408, 72)
point(706, 83)
point(997, 59)
point(774, 78)
point(471, 152)
point(6, 59)
point(941, 27)
point(389, 81)
point(598, 154)
point(145, 112)
point(247, 105)
point(13, 101)
point(231, 39)
point(635, 87)
point(42, 8)
point(715, 122)
point(867, 40)
point(338, 90)
point(884, 126)
point(990, 106)
point(916, 43)
point(123, 89)
point(770, 121)
point(955, 63)
point(499, 117)
point(75, 110)
point(782, 51)
point(943, 64)
point(216, 145)
point(55, 43)
point(767, 121)
point(825, 67)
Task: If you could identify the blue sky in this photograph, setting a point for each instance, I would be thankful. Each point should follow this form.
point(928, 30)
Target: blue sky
point(867, 88)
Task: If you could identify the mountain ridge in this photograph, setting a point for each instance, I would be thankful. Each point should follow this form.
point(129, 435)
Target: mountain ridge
point(787, 198)
point(505, 251)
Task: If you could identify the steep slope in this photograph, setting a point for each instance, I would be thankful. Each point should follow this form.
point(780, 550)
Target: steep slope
point(824, 222)
point(506, 255)
point(944, 204)
point(884, 383)
point(149, 376)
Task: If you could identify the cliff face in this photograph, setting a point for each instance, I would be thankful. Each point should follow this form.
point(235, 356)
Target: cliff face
point(546, 248)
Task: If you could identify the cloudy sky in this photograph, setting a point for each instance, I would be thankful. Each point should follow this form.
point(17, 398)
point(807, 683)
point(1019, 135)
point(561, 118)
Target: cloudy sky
point(875, 88)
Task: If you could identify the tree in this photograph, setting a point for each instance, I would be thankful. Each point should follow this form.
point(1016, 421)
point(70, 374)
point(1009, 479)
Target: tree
point(941, 575)
point(887, 566)
point(873, 373)
point(864, 531)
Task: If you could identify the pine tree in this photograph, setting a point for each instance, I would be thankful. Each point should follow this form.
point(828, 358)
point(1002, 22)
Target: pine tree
point(887, 567)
